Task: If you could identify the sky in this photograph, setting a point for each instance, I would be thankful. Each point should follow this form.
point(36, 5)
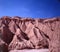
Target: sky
point(30, 8)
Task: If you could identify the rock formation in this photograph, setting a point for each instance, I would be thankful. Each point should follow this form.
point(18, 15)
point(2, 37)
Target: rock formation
point(26, 33)
point(3, 46)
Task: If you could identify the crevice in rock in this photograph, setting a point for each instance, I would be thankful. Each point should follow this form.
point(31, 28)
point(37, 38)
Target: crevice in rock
point(19, 38)
point(32, 44)
point(35, 32)
point(24, 35)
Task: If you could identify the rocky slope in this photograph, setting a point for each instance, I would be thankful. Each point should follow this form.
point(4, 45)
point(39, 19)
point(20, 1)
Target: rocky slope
point(26, 33)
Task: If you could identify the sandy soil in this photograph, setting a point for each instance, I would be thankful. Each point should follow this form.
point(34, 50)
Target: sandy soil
point(31, 50)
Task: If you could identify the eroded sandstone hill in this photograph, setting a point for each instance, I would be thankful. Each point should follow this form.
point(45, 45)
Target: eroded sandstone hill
point(26, 33)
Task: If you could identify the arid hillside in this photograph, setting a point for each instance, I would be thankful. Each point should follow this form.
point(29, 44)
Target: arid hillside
point(18, 33)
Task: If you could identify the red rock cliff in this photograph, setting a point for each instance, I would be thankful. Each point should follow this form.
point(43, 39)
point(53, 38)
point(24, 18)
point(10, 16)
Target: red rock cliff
point(27, 33)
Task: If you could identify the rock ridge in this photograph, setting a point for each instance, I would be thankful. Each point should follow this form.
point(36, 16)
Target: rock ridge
point(28, 33)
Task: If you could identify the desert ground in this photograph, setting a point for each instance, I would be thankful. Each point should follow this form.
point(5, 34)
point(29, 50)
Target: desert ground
point(31, 50)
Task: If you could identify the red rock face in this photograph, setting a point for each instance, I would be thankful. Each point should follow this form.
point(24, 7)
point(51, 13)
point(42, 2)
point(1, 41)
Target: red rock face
point(26, 33)
point(3, 46)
